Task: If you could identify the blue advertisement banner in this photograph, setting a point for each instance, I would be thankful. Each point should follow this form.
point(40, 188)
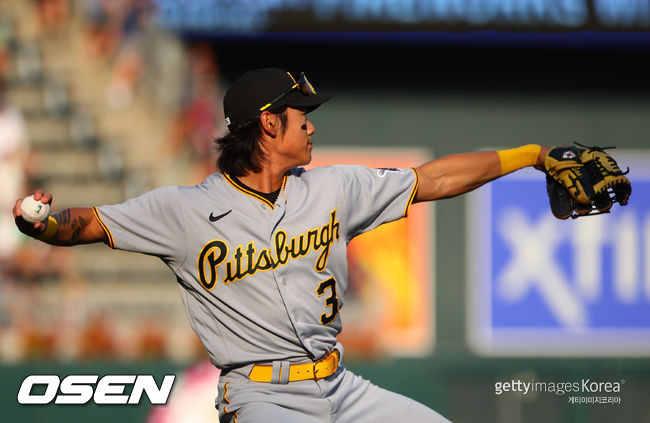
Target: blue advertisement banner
point(540, 286)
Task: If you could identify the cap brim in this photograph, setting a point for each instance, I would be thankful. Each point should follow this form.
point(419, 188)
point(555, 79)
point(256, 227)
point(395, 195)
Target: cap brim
point(298, 100)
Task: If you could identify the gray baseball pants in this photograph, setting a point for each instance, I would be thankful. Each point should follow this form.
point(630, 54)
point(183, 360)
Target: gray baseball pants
point(340, 398)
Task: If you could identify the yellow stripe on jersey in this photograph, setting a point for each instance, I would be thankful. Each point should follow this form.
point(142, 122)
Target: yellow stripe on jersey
point(111, 241)
point(251, 193)
point(414, 191)
point(248, 192)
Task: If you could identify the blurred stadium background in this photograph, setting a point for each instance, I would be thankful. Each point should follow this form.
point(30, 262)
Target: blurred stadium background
point(101, 100)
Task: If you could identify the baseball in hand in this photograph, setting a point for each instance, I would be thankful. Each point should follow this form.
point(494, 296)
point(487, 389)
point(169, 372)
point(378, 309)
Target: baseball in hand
point(34, 211)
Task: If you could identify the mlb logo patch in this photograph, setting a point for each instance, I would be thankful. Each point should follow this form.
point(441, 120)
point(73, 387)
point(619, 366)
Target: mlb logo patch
point(568, 155)
point(381, 172)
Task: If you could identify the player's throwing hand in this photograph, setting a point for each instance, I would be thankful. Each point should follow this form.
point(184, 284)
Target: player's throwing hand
point(28, 228)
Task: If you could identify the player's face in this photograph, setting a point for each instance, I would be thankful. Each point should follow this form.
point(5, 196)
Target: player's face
point(296, 144)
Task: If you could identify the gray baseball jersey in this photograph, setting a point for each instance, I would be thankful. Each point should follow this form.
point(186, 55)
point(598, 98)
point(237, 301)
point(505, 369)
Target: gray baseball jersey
point(262, 281)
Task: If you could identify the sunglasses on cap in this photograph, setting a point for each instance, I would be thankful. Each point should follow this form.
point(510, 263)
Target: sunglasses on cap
point(302, 85)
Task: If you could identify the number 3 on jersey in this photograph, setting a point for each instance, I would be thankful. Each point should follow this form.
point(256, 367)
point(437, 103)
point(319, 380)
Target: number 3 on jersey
point(331, 301)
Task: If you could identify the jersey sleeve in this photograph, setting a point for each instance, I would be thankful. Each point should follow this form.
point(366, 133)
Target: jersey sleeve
point(375, 196)
point(150, 224)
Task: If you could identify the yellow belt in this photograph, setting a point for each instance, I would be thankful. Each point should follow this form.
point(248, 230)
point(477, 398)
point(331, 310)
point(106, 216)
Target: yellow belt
point(306, 371)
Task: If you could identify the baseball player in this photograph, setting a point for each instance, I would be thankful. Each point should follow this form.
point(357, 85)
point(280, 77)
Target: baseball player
point(259, 251)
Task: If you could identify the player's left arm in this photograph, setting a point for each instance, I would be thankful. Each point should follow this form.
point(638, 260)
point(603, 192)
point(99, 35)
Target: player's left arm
point(460, 173)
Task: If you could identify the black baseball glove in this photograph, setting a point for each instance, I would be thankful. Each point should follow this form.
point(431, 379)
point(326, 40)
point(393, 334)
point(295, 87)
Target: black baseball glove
point(584, 180)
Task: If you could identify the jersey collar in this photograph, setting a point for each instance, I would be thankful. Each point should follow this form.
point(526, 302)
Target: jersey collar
point(248, 191)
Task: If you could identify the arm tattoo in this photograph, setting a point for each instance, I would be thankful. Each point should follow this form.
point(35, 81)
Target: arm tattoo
point(77, 229)
point(69, 226)
point(63, 218)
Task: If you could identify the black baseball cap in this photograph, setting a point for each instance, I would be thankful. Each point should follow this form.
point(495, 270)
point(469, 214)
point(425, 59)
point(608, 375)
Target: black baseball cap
point(268, 89)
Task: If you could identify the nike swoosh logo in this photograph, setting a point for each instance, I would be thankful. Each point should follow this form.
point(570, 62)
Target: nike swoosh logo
point(214, 218)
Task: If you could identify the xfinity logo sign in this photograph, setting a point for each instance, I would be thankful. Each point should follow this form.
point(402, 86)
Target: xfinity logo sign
point(80, 389)
point(542, 286)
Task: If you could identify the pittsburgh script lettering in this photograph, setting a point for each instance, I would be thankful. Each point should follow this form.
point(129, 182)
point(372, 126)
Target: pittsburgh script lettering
point(246, 261)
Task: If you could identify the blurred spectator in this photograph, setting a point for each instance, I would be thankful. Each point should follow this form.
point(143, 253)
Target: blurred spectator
point(52, 15)
point(100, 38)
point(200, 117)
point(114, 32)
point(122, 32)
point(125, 75)
point(7, 42)
point(97, 339)
point(151, 342)
point(37, 341)
point(127, 69)
point(110, 22)
point(14, 153)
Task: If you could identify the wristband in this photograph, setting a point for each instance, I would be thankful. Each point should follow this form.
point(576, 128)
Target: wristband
point(50, 231)
point(517, 158)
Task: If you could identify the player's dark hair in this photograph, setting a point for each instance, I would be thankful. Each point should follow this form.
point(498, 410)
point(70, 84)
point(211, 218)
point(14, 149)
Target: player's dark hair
point(239, 150)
